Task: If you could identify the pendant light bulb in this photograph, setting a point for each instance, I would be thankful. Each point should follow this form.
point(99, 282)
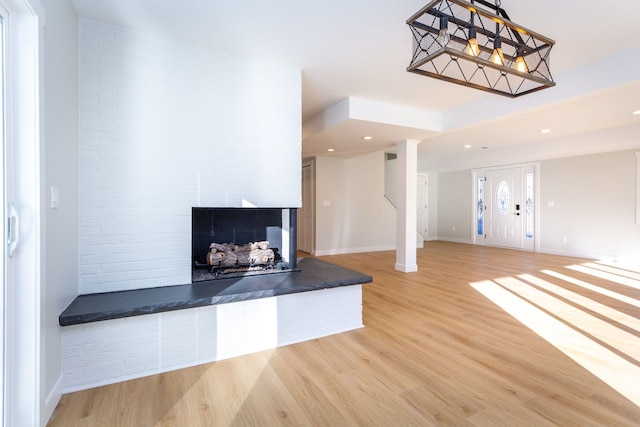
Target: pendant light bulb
point(443, 36)
point(497, 57)
point(472, 45)
point(521, 66)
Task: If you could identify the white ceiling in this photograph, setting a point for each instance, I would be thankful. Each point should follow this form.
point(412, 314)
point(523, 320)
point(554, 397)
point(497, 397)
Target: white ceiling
point(361, 49)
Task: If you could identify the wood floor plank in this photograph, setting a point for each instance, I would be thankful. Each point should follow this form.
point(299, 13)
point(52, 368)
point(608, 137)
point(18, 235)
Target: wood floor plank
point(434, 351)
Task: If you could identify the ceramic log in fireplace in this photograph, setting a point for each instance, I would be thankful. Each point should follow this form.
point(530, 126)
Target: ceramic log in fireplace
point(233, 242)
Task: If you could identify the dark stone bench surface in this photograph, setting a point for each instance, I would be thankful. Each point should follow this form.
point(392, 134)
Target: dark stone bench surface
point(314, 275)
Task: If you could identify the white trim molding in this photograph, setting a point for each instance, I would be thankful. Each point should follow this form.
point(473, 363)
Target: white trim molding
point(637, 187)
point(23, 352)
point(527, 168)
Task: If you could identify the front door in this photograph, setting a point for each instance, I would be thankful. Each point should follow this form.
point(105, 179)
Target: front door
point(504, 207)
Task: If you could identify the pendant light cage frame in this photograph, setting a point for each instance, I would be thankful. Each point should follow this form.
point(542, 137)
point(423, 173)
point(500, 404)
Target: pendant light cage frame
point(441, 48)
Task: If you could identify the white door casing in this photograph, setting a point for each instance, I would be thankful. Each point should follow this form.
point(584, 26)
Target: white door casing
point(506, 207)
point(21, 164)
point(306, 213)
point(422, 205)
point(3, 226)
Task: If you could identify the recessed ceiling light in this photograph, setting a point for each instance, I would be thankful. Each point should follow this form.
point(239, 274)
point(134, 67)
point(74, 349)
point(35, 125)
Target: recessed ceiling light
point(367, 138)
point(636, 113)
point(546, 130)
point(467, 146)
point(331, 150)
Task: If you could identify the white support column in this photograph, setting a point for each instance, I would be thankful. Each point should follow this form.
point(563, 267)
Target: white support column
point(407, 216)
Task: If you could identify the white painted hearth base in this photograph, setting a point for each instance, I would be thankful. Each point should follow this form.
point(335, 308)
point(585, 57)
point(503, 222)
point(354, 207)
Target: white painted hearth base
point(111, 351)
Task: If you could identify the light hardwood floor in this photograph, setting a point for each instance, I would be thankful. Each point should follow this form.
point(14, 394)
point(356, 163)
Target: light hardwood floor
point(438, 348)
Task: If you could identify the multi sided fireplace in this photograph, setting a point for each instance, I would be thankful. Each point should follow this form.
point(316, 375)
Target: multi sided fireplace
point(233, 242)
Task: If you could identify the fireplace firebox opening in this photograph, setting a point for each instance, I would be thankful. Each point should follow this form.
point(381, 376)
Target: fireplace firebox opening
point(233, 242)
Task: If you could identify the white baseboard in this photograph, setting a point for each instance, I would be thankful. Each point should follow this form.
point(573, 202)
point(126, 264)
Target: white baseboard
point(342, 251)
point(568, 253)
point(51, 401)
point(455, 240)
point(578, 254)
point(407, 268)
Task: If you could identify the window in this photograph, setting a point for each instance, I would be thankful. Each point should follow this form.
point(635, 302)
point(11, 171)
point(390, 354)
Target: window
point(528, 207)
point(502, 197)
point(480, 206)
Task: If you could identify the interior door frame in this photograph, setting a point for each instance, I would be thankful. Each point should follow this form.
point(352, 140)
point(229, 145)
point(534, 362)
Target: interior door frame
point(423, 196)
point(308, 232)
point(637, 187)
point(3, 227)
point(527, 168)
point(23, 175)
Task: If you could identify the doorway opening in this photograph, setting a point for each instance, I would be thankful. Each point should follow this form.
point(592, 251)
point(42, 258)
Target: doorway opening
point(306, 213)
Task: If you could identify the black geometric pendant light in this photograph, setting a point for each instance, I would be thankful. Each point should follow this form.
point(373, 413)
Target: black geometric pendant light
point(460, 42)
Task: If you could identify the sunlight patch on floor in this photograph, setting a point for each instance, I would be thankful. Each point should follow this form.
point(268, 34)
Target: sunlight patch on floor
point(616, 371)
point(594, 306)
point(598, 289)
point(581, 320)
point(615, 269)
point(616, 278)
point(630, 262)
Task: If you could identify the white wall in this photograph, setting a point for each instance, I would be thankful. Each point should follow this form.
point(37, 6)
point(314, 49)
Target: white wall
point(391, 180)
point(352, 214)
point(454, 206)
point(589, 201)
point(165, 126)
point(594, 202)
point(59, 279)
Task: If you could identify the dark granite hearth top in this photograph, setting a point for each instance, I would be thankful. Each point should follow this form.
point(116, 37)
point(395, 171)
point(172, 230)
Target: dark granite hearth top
point(314, 275)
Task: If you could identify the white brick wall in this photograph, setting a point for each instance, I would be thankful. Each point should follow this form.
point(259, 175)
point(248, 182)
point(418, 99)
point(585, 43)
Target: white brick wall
point(110, 351)
point(165, 126)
